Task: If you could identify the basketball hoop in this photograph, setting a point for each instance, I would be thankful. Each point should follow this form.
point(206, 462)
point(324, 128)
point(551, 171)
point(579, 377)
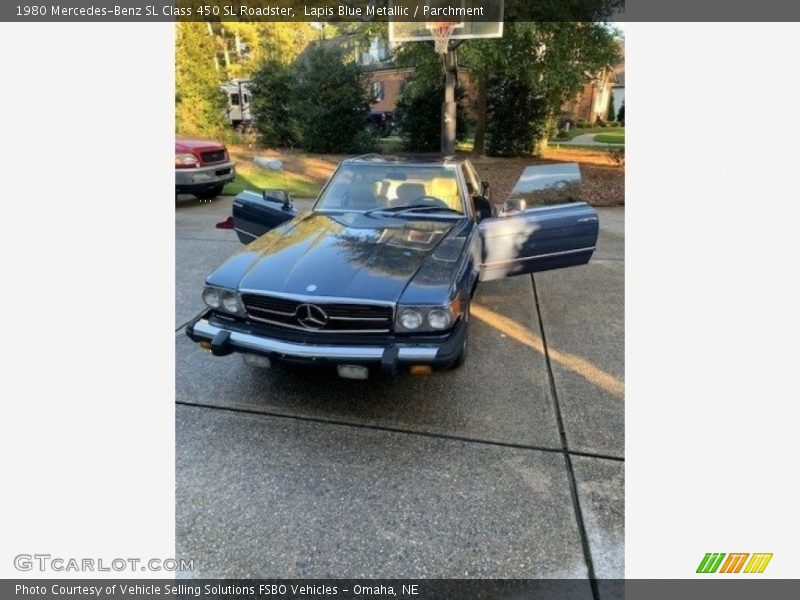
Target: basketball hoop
point(466, 23)
point(441, 32)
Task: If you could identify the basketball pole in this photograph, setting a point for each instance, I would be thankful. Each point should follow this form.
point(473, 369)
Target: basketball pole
point(449, 104)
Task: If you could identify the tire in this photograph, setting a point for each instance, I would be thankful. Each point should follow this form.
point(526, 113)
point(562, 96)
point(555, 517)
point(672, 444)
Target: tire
point(210, 193)
point(462, 356)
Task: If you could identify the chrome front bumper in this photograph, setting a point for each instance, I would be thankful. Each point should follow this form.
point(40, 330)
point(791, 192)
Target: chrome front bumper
point(228, 340)
point(205, 175)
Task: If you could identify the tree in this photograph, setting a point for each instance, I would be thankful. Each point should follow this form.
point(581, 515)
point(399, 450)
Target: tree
point(330, 104)
point(272, 92)
point(199, 102)
point(612, 113)
point(284, 41)
point(547, 62)
point(242, 46)
point(419, 104)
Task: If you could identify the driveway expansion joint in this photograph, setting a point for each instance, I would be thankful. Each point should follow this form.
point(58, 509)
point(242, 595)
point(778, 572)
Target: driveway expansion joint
point(562, 432)
point(429, 434)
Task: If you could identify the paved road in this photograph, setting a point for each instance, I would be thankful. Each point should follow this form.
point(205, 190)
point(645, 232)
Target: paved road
point(510, 467)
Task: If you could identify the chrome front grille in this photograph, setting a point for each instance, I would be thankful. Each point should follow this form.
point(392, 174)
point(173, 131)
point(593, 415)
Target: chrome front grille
point(320, 316)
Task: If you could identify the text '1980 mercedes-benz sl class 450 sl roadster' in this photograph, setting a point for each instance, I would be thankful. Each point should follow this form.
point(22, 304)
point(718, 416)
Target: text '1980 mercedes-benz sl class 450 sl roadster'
point(379, 274)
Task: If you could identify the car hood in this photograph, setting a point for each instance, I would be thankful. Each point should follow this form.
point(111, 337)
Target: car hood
point(349, 255)
point(192, 145)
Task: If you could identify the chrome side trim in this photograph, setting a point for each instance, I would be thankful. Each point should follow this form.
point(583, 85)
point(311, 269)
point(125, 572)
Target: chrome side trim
point(245, 232)
point(535, 256)
point(263, 344)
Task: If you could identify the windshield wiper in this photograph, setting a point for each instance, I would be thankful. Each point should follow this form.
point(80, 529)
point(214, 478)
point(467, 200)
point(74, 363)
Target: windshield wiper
point(409, 207)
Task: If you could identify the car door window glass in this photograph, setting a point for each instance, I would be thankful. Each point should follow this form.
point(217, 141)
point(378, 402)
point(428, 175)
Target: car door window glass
point(469, 177)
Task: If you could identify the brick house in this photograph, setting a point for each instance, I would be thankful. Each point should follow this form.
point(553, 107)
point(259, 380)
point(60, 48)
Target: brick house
point(384, 85)
point(592, 102)
point(383, 79)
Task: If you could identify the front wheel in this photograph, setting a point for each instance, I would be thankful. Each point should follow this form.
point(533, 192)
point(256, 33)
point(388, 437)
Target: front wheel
point(210, 193)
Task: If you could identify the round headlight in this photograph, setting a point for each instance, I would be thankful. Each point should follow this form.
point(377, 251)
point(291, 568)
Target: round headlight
point(230, 303)
point(212, 297)
point(411, 318)
point(438, 319)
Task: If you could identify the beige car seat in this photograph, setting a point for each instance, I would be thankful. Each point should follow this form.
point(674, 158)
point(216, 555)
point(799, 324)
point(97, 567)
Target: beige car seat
point(446, 189)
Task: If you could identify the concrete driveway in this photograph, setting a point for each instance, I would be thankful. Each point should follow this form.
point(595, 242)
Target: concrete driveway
point(510, 467)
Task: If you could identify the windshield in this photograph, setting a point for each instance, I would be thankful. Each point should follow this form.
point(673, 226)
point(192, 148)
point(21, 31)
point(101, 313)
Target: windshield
point(371, 187)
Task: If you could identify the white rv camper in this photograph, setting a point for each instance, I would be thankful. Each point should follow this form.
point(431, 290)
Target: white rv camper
point(238, 96)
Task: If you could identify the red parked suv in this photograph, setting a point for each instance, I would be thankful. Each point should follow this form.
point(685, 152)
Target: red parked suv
point(202, 168)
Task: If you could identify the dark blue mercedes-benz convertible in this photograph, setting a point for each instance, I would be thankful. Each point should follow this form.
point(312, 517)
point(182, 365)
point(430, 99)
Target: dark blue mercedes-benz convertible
point(379, 274)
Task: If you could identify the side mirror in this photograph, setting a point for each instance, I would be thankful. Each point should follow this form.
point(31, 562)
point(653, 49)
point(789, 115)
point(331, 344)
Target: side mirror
point(281, 196)
point(514, 206)
point(485, 189)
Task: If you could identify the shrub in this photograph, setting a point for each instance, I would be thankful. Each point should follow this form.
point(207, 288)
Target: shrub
point(563, 121)
point(199, 101)
point(617, 155)
point(329, 103)
point(419, 103)
point(621, 113)
point(614, 124)
point(418, 115)
point(562, 135)
point(272, 91)
point(517, 121)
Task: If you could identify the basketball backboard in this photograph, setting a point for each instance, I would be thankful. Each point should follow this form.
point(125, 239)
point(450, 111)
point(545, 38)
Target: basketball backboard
point(472, 19)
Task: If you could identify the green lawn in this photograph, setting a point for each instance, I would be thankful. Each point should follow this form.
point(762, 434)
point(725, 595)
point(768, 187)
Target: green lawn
point(575, 131)
point(391, 144)
point(610, 138)
point(394, 143)
point(466, 145)
point(251, 177)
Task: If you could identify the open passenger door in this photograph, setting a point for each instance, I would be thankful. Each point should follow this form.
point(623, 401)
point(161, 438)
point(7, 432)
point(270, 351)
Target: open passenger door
point(559, 234)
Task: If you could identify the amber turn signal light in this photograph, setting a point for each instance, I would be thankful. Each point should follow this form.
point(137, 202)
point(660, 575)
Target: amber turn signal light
point(420, 369)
